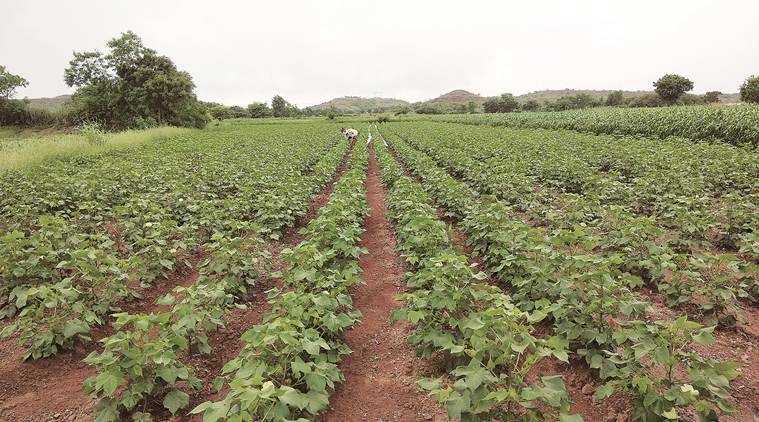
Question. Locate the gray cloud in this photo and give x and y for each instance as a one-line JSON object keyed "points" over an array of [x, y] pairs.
{"points": [[309, 52]]}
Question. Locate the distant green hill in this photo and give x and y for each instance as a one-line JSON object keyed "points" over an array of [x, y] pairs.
{"points": [[457, 96], [52, 103], [554, 94], [730, 98], [362, 105]]}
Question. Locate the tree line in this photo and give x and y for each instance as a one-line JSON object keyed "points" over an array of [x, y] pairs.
{"points": [[668, 90], [257, 110]]}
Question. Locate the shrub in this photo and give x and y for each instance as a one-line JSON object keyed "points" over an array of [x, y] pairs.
{"points": [[506, 103], [615, 99], [750, 90], [645, 100], [712, 97], [92, 133]]}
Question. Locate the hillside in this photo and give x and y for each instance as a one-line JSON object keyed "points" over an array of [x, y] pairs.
{"points": [[51, 103], [730, 98], [457, 96], [360, 104], [554, 94]]}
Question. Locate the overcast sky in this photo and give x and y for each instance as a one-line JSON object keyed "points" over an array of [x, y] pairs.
{"points": [[310, 51]]}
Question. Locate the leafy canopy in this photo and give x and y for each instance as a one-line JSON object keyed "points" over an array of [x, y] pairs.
{"points": [[750, 90], [132, 86], [282, 108], [504, 104], [259, 110], [9, 83], [670, 87]]}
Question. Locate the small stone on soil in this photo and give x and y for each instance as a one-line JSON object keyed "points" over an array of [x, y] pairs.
{"points": [[587, 389]]}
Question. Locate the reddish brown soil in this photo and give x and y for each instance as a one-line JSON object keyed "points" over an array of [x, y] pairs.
{"points": [[382, 370], [42, 132], [40, 390]]}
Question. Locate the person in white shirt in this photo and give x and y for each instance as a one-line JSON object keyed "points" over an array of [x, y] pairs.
{"points": [[349, 133]]}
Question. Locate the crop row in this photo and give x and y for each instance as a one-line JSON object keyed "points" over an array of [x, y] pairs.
{"points": [[290, 361], [586, 301], [69, 280], [674, 246], [483, 336], [736, 125]]}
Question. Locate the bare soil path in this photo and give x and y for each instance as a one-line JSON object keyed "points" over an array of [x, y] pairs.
{"points": [[381, 373]]}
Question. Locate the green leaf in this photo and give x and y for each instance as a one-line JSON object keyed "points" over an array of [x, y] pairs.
{"points": [[168, 374], [106, 411], [415, 316], [175, 400], [201, 407], [704, 336], [537, 316], [165, 300], [109, 381], [604, 391], [212, 412], [561, 355], [74, 327], [218, 383], [428, 384], [293, 398], [298, 366], [457, 404], [7, 331], [474, 324]]}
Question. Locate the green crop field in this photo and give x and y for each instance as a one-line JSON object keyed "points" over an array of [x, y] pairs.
{"points": [[585, 265], [734, 124]]}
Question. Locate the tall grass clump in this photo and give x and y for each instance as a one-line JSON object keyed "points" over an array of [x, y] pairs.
{"points": [[89, 140], [92, 133]]}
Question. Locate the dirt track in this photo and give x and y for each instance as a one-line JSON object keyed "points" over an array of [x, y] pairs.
{"points": [[382, 370]]}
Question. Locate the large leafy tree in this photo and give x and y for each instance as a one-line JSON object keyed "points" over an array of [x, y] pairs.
{"points": [[9, 83], [750, 90], [280, 107], [671, 87], [132, 86], [12, 111]]}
